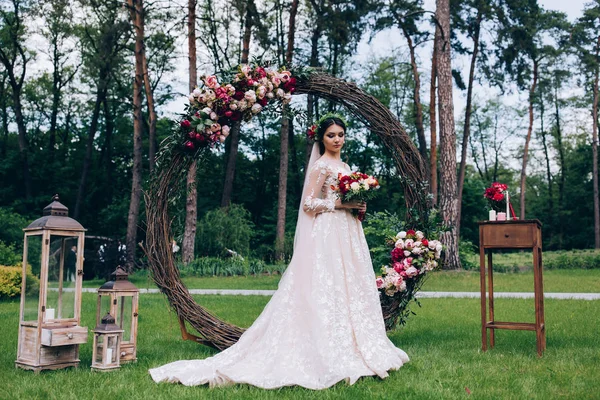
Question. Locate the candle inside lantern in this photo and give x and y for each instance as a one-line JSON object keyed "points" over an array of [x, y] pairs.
{"points": [[109, 357], [49, 314], [501, 216], [507, 206]]}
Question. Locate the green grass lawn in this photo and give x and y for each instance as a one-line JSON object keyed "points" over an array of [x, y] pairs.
{"points": [[443, 341], [559, 280]]}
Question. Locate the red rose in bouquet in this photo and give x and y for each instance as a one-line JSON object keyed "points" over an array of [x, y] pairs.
{"points": [[356, 187]]}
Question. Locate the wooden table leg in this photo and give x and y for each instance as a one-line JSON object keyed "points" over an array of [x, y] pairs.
{"points": [[491, 297], [538, 299], [541, 274], [483, 302]]}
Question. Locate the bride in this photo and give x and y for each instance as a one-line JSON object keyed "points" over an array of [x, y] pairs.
{"points": [[324, 324]]}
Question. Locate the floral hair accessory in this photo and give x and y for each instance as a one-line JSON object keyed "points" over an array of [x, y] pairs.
{"points": [[312, 132]]}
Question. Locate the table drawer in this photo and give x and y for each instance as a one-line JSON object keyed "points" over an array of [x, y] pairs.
{"points": [[64, 336], [509, 235]]}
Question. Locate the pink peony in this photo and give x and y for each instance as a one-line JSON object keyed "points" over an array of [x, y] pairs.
{"points": [[285, 76], [412, 271], [225, 130], [379, 282], [211, 82], [250, 95], [398, 267]]}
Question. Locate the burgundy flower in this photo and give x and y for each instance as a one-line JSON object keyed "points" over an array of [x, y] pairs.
{"points": [[397, 254], [185, 123], [239, 95]]}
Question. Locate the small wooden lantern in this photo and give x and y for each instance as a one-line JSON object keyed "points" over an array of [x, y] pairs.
{"points": [[49, 331], [120, 297], [107, 345]]}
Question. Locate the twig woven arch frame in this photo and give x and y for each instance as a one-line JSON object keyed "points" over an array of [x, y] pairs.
{"points": [[213, 331]]}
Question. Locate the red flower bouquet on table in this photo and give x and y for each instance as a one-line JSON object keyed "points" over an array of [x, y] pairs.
{"points": [[356, 187], [498, 198]]}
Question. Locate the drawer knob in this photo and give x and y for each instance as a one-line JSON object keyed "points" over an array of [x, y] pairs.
{"points": [[506, 235], [70, 335]]}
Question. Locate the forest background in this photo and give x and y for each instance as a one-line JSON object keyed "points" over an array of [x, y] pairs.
{"points": [[89, 89]]}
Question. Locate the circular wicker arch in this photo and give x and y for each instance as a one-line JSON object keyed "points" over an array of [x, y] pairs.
{"points": [[213, 331]]}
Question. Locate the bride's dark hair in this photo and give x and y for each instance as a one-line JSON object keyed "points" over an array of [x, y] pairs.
{"points": [[324, 125]]}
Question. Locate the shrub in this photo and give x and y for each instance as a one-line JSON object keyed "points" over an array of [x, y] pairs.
{"points": [[214, 266], [223, 229], [11, 228], [10, 281], [575, 259], [8, 254], [467, 252]]}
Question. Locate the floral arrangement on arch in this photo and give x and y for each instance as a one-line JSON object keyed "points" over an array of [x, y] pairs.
{"points": [[213, 108], [411, 258]]}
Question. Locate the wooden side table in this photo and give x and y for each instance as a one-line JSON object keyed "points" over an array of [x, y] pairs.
{"points": [[519, 234]]}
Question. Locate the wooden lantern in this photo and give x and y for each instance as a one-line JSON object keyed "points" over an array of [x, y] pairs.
{"points": [[120, 297], [107, 345], [49, 331]]}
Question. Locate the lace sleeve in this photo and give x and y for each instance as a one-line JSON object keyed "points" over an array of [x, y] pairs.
{"points": [[313, 203]]}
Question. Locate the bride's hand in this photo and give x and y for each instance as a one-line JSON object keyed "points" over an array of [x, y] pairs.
{"points": [[359, 205]]}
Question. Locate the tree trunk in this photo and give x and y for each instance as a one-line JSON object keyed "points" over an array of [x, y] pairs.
{"points": [[236, 128], [191, 216], [433, 122], [151, 117], [561, 157], [284, 147], [108, 120], [548, 172], [191, 202], [312, 101], [3, 116], [467, 126], [447, 201], [528, 138], [136, 11], [9, 61], [416, 96], [87, 161], [595, 155]]}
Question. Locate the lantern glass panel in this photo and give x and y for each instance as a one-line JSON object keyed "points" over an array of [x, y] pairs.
{"points": [[62, 273], [104, 305], [99, 347], [33, 260], [124, 315], [111, 352]]}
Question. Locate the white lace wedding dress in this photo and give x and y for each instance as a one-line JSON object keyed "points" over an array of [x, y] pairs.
{"points": [[323, 325]]}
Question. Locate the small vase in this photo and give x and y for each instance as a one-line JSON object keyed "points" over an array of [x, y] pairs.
{"points": [[492, 216], [501, 216]]}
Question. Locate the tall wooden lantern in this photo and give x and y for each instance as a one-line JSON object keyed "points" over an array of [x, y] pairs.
{"points": [[120, 297], [49, 322]]}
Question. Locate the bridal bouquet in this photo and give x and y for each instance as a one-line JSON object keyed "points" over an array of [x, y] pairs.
{"points": [[356, 187], [411, 258]]}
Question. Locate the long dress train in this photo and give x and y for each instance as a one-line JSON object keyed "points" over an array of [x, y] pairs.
{"points": [[324, 324]]}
